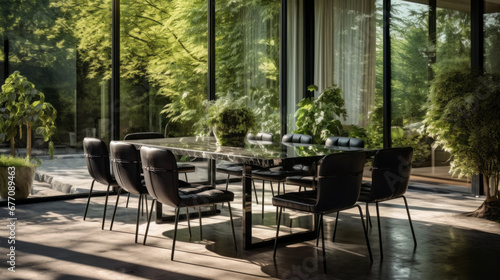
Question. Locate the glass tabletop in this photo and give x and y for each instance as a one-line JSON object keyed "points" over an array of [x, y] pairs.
{"points": [[257, 153]]}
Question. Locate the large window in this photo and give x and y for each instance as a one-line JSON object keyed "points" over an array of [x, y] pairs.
{"points": [[345, 42], [425, 40], [491, 36], [163, 63], [247, 57]]}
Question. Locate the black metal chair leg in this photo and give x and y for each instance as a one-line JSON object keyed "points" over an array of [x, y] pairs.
{"points": [[105, 207], [114, 211], [128, 198], [188, 220], [272, 188], [138, 216], [201, 230], [323, 240], [255, 192], [88, 200], [175, 232], [186, 176], [263, 189], [411, 225], [277, 234], [366, 234], [318, 230], [149, 221], [379, 232], [368, 218], [232, 226], [227, 186], [335, 229]]}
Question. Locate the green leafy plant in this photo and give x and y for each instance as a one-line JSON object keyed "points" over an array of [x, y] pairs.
{"points": [[21, 104], [320, 117], [230, 120], [463, 118]]}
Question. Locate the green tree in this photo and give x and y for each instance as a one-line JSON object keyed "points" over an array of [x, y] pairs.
{"points": [[463, 118]]}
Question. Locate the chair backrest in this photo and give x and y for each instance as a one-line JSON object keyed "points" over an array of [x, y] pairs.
{"points": [[348, 142], [391, 173], [261, 137], [127, 167], [97, 158], [297, 138], [143, 135], [161, 175], [339, 180]]}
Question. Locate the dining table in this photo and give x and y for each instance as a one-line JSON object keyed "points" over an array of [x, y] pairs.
{"points": [[253, 154]]}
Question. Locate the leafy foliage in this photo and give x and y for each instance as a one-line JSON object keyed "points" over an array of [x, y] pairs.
{"points": [[230, 120], [463, 118], [320, 117], [22, 104]]}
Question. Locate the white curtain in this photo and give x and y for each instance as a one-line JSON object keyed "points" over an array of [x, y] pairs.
{"points": [[345, 53], [295, 59]]}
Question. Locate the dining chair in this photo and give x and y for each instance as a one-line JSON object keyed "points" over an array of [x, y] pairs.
{"points": [[97, 159], [334, 142], [339, 184], [280, 173], [390, 178], [184, 168], [236, 169], [161, 176], [127, 168]]}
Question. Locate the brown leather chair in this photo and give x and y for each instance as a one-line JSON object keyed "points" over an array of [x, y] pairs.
{"points": [[97, 159], [339, 184]]}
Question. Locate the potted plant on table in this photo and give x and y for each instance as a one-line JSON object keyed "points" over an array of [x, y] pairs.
{"points": [[230, 121], [21, 104]]}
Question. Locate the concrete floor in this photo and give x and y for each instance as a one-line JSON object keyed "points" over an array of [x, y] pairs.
{"points": [[53, 242]]}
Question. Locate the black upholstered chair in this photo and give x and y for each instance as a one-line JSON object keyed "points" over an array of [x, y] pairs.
{"points": [[182, 167], [280, 174], [161, 176], [97, 158], [336, 142], [390, 178], [339, 184], [127, 168], [236, 169]]}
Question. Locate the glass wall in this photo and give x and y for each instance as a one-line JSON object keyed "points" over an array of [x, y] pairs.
{"points": [[163, 78], [63, 49], [346, 43], [425, 40], [247, 57], [491, 36]]}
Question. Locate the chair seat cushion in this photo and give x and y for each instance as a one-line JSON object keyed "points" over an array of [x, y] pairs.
{"points": [[304, 181], [232, 169], [186, 188], [206, 197], [301, 201], [185, 167]]}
